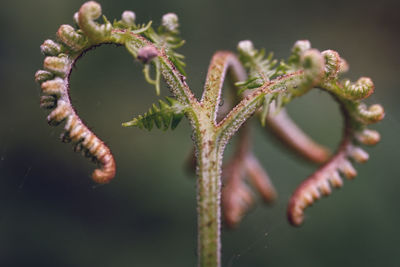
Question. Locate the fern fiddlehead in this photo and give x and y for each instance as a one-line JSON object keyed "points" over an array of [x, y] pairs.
{"points": [[325, 77], [62, 55], [356, 117], [270, 85], [54, 81], [328, 175]]}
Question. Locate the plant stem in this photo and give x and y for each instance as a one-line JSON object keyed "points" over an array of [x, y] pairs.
{"points": [[208, 202]]}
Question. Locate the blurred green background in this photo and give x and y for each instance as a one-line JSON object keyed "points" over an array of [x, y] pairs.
{"points": [[51, 214]]}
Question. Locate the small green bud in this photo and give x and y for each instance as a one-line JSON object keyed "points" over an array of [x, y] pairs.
{"points": [[62, 111], [90, 9], [43, 75], [57, 65], [246, 48], [347, 169], [69, 36], [332, 63], [170, 22], [368, 137], [128, 17], [344, 66], [312, 59], [363, 88], [300, 46], [370, 115], [358, 154], [76, 18], [298, 49], [53, 87], [335, 179], [313, 64], [50, 48], [88, 13], [47, 102]]}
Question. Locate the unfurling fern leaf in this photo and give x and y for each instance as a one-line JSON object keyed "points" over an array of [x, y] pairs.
{"points": [[265, 86], [165, 115]]}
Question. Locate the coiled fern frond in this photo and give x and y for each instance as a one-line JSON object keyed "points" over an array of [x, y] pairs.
{"points": [[320, 70], [73, 42], [264, 85]]}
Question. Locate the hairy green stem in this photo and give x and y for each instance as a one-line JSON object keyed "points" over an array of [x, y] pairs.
{"points": [[209, 158], [208, 203]]}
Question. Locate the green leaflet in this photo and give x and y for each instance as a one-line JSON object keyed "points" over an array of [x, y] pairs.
{"points": [[251, 83], [165, 115], [263, 68], [176, 59], [265, 108], [156, 81], [278, 100], [259, 66]]}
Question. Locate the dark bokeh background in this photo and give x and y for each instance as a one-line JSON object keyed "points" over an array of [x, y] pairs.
{"points": [[51, 214]]}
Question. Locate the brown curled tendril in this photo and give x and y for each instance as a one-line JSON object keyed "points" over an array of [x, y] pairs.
{"points": [[54, 82], [291, 136], [329, 175], [320, 182], [55, 95], [241, 171]]}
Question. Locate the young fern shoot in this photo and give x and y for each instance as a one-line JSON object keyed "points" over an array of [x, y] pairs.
{"points": [[263, 86]]}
